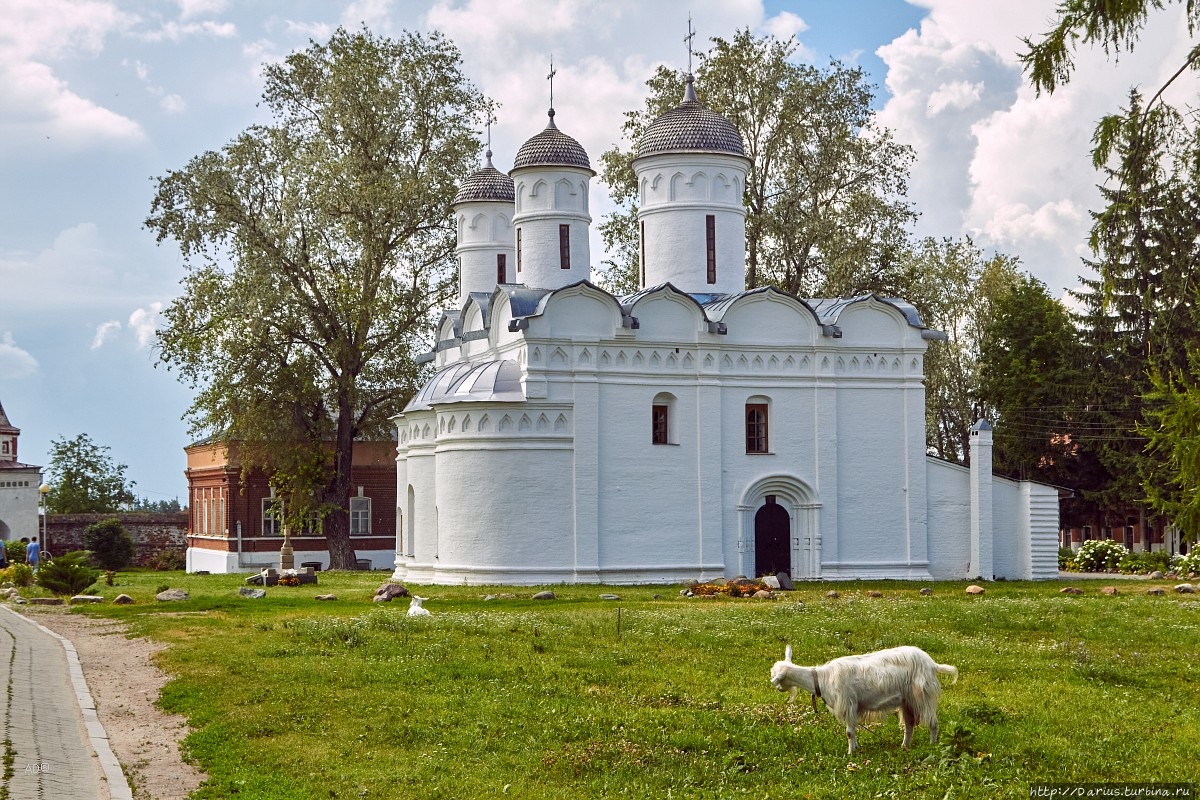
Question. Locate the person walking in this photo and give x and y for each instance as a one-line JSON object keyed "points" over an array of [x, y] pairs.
{"points": [[33, 554]]}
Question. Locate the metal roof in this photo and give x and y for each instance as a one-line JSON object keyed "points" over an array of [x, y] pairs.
{"points": [[552, 148], [496, 381], [488, 184], [689, 128]]}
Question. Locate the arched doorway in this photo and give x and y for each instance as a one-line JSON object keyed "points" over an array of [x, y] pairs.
{"points": [[772, 539]]}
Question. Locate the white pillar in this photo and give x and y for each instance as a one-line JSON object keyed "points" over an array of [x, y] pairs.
{"points": [[981, 501]]}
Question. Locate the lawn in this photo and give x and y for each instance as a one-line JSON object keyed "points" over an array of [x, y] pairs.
{"points": [[659, 695]]}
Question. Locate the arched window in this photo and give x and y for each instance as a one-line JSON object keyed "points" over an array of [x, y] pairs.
{"points": [[756, 425], [662, 419]]}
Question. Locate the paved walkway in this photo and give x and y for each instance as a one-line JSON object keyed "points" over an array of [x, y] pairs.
{"points": [[53, 739]]}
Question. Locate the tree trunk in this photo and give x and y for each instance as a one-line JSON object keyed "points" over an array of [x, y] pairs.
{"points": [[337, 493]]}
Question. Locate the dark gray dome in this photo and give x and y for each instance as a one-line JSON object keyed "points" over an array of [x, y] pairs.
{"points": [[690, 127], [488, 183], [551, 148]]}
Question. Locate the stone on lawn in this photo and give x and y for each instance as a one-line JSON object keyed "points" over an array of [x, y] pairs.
{"points": [[874, 593], [389, 592], [974, 589], [123, 600], [547, 595], [326, 597], [1111, 591], [1156, 575], [1070, 590], [1157, 590], [832, 594], [925, 590], [1185, 588], [610, 597], [86, 598], [771, 582], [253, 594], [171, 595], [46, 601], [763, 594], [785, 581]]}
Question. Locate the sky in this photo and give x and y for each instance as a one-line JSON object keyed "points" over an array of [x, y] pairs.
{"points": [[98, 98]]}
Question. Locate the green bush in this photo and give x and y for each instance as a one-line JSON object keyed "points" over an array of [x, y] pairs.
{"points": [[68, 574], [110, 544], [166, 560], [1066, 558], [14, 551], [1100, 555], [1184, 565], [18, 574], [1141, 563]]}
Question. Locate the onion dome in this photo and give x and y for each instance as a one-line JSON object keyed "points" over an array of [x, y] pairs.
{"points": [[488, 183], [689, 128], [552, 148]]}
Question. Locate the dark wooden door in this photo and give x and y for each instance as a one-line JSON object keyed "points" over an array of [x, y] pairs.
{"points": [[772, 540]]}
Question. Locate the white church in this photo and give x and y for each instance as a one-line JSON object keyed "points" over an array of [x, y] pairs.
{"points": [[692, 430]]}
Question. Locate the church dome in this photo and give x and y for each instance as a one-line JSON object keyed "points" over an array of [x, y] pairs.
{"points": [[552, 148], [689, 128], [488, 183]]}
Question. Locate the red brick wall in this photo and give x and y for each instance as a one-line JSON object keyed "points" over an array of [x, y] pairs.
{"points": [[150, 532]]}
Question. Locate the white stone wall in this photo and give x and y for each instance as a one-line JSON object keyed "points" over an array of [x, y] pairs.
{"points": [[19, 503], [677, 192], [547, 197], [485, 230]]}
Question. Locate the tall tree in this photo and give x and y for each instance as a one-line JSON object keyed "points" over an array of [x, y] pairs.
{"points": [[953, 285], [318, 249], [1031, 379], [84, 479], [825, 195]]}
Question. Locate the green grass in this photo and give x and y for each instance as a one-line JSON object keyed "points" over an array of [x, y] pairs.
{"points": [[658, 695]]}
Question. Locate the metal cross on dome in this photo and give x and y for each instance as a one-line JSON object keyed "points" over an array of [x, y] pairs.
{"points": [[550, 78], [688, 40]]}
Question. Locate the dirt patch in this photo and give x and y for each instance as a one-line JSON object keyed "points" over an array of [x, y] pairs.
{"points": [[125, 684]]}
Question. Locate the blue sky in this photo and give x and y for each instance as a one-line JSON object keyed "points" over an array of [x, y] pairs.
{"points": [[97, 97]]}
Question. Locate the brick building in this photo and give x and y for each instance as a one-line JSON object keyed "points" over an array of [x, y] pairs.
{"points": [[231, 527]]}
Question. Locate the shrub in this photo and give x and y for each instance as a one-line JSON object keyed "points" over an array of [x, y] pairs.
{"points": [[68, 574], [1185, 565], [14, 551], [166, 560], [1141, 563], [110, 544], [1066, 558], [18, 574], [1100, 555]]}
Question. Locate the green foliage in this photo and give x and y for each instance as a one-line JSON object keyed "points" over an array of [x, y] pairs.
{"points": [[84, 479], [109, 543], [14, 551], [825, 195], [18, 573], [335, 219], [1100, 555], [68, 574], [166, 560], [1187, 565], [160, 506], [1142, 563], [1066, 558]]}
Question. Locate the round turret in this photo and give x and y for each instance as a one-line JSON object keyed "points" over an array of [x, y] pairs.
{"points": [[691, 171], [551, 176], [483, 212]]}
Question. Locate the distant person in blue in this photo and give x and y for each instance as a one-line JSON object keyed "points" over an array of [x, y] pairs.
{"points": [[33, 553]]}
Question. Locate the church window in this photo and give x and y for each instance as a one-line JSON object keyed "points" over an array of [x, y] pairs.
{"points": [[564, 246], [360, 516], [660, 418], [756, 427], [501, 268], [272, 516], [518, 249], [643, 238], [710, 244], [4, 447]]}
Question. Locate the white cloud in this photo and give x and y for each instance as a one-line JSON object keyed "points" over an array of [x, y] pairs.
{"points": [[144, 322], [173, 104], [15, 363], [174, 32], [955, 94], [104, 332], [200, 8]]}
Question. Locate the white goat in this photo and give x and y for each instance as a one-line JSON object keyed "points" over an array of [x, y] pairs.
{"points": [[870, 686], [416, 609]]}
